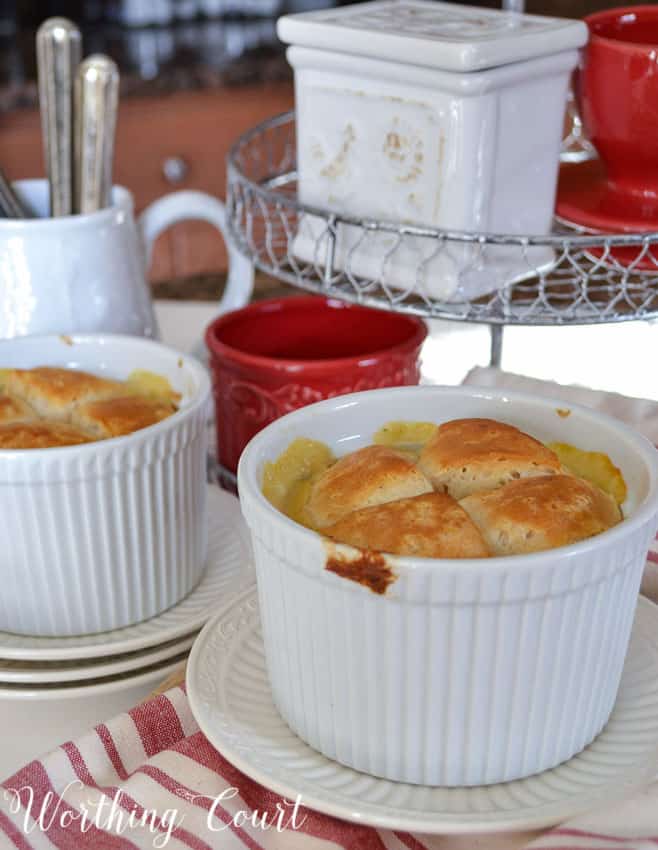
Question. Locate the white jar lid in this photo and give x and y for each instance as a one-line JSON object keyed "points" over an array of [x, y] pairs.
{"points": [[438, 35]]}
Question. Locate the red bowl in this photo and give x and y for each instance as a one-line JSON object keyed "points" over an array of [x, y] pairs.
{"points": [[274, 356]]}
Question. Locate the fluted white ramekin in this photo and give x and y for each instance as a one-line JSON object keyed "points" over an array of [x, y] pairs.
{"points": [[467, 671], [110, 533]]}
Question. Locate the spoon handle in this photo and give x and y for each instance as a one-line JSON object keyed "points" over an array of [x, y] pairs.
{"points": [[59, 50], [96, 104]]}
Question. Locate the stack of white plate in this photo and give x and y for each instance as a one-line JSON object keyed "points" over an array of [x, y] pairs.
{"points": [[54, 689]]}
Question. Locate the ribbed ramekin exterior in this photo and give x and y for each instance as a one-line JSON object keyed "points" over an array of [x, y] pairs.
{"points": [[97, 540], [454, 678], [465, 672]]}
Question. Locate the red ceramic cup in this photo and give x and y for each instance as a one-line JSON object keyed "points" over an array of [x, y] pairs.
{"points": [[275, 356], [618, 93]]}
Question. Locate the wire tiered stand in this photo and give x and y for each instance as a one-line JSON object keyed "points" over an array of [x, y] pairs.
{"points": [[584, 278]]}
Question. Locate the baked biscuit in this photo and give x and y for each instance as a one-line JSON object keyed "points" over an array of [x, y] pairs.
{"points": [[40, 434], [470, 455], [428, 526], [540, 513], [13, 409], [370, 476], [53, 391], [117, 416]]}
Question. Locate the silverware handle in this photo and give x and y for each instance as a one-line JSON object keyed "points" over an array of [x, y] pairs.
{"points": [[59, 50], [96, 105], [11, 204]]}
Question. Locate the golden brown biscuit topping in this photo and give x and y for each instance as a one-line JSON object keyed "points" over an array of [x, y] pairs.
{"points": [[40, 435], [370, 476], [541, 513], [68, 407], [479, 488], [118, 416], [428, 526], [53, 391], [14, 409], [470, 455]]}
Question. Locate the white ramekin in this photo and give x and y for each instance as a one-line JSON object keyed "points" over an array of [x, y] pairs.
{"points": [[107, 534], [467, 671]]}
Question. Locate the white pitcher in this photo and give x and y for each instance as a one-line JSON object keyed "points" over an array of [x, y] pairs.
{"points": [[86, 273]]}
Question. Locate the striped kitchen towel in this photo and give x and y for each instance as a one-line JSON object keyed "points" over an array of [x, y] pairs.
{"points": [[150, 779]]}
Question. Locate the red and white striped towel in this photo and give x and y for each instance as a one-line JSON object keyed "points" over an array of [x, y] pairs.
{"points": [[154, 763]]}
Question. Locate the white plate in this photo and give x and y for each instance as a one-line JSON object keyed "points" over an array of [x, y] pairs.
{"points": [[66, 672], [154, 674], [229, 571], [41, 718], [231, 700]]}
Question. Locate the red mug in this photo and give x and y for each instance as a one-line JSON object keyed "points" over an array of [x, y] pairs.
{"points": [[274, 356], [618, 91]]}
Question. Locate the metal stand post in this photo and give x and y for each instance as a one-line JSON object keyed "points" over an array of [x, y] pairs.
{"points": [[496, 332]]}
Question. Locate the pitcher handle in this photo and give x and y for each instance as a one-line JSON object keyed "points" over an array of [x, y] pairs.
{"points": [[186, 205]]}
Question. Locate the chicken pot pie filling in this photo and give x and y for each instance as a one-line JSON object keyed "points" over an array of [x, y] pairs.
{"points": [[49, 406], [468, 488]]}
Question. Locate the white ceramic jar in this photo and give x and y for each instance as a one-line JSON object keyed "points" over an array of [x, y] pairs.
{"points": [[105, 534], [434, 114], [466, 672]]}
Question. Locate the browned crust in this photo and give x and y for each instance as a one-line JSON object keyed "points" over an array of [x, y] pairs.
{"points": [[535, 514], [118, 416], [429, 526], [40, 435], [468, 455], [53, 391], [366, 568], [370, 476], [13, 409]]}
